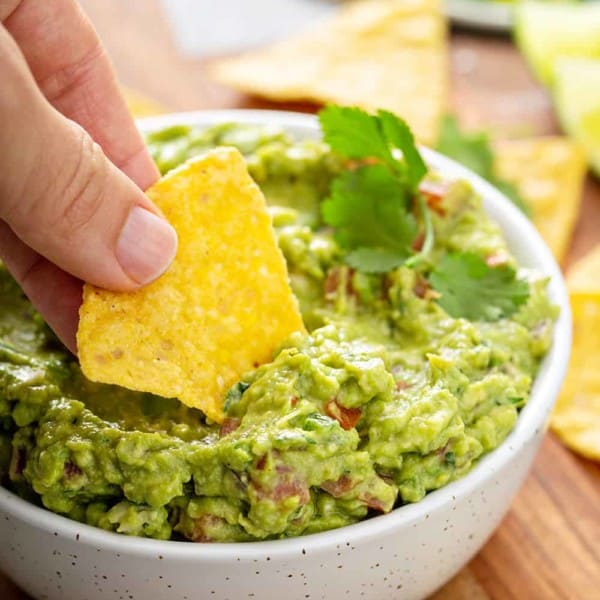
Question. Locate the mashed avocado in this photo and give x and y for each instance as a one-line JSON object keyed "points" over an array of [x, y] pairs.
{"points": [[387, 397]]}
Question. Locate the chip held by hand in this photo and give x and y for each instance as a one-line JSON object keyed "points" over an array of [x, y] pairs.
{"points": [[221, 309]]}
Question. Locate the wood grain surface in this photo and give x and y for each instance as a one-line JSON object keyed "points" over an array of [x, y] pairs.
{"points": [[548, 546]]}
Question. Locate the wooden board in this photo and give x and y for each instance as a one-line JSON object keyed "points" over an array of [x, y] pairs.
{"points": [[548, 546]]}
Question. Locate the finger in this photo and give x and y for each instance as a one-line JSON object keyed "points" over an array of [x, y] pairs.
{"points": [[54, 293], [72, 70], [63, 197]]}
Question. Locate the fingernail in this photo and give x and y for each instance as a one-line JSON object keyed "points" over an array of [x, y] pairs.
{"points": [[147, 245]]}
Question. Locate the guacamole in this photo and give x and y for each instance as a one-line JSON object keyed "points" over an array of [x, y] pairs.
{"points": [[385, 399]]}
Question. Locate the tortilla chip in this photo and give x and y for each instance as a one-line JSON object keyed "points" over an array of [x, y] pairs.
{"points": [[576, 417], [389, 54], [549, 174], [222, 308], [584, 275]]}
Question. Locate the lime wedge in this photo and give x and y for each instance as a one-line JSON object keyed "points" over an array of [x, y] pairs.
{"points": [[577, 100], [545, 31]]}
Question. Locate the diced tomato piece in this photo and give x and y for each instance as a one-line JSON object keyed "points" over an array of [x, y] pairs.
{"points": [[21, 461], [418, 242], [334, 280], [291, 487], [423, 290], [338, 488], [346, 417], [374, 503], [262, 462], [497, 259], [434, 193], [71, 470], [421, 287], [202, 526], [287, 484], [402, 385], [230, 424]]}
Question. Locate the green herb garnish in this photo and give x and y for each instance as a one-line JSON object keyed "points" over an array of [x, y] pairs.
{"points": [[370, 210], [474, 151], [371, 206], [473, 290], [378, 214]]}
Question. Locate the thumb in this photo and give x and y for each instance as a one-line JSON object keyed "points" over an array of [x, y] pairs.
{"points": [[84, 215], [66, 200]]}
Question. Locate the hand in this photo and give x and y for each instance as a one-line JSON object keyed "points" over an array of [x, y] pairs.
{"points": [[72, 166]]}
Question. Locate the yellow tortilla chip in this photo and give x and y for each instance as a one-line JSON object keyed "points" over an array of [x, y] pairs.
{"points": [[549, 174], [584, 275], [576, 417], [389, 54], [222, 308]]}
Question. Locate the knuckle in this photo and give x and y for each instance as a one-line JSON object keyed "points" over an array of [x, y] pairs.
{"points": [[73, 75], [80, 193]]}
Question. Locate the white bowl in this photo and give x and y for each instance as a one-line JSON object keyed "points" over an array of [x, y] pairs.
{"points": [[405, 554]]}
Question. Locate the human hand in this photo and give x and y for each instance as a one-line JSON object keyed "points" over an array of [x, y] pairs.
{"points": [[72, 167]]}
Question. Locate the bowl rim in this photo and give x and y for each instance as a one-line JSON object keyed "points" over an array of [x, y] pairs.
{"points": [[532, 419]]}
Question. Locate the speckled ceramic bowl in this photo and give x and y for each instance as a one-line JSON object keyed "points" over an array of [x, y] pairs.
{"points": [[405, 554]]}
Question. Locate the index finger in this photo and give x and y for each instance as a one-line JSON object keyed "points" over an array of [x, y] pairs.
{"points": [[72, 70]]}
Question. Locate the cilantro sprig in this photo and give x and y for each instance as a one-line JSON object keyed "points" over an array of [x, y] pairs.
{"points": [[378, 213], [371, 206], [369, 209], [471, 289]]}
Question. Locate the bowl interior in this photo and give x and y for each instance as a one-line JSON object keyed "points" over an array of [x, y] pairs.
{"points": [[529, 249]]}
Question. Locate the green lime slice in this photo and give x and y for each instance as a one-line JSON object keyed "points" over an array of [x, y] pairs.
{"points": [[545, 31], [577, 100]]}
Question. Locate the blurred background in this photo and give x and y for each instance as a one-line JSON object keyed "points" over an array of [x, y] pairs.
{"points": [[166, 51], [163, 48], [497, 101]]}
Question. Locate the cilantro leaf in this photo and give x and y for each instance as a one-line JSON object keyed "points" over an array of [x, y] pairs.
{"points": [[353, 133], [368, 208], [399, 135], [469, 149], [474, 151], [375, 260], [371, 207], [473, 290]]}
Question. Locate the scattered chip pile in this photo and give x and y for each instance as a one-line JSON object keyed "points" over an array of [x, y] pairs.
{"points": [[376, 54], [549, 174], [222, 308], [576, 417]]}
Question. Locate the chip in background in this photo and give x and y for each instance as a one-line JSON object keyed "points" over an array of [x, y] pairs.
{"points": [[375, 54]]}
